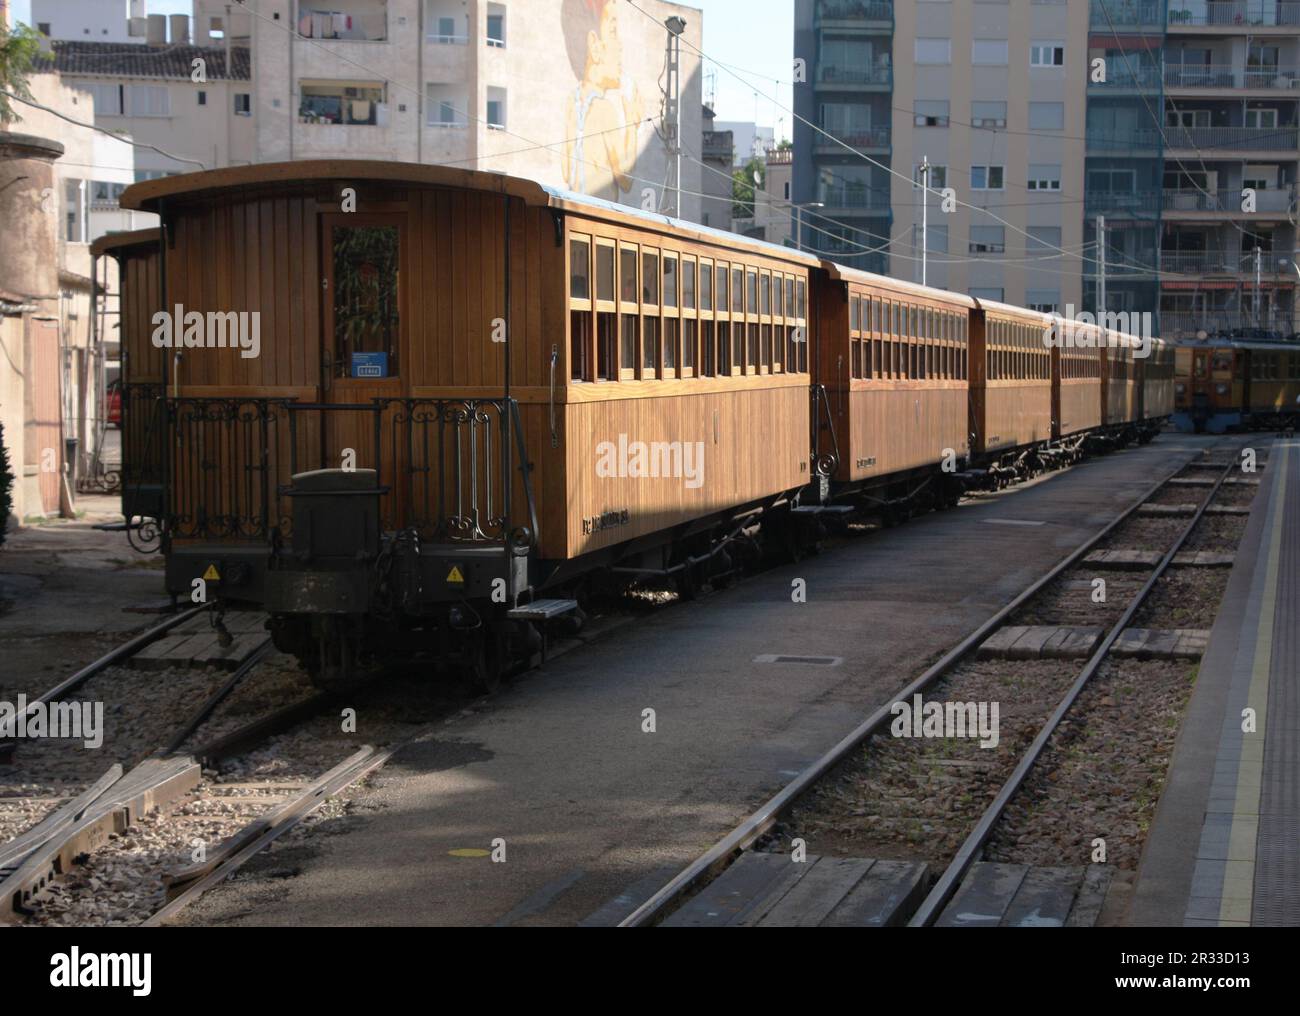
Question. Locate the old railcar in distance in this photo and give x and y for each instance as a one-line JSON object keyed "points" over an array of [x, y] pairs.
{"points": [[454, 396], [1157, 396], [893, 359], [1224, 386]]}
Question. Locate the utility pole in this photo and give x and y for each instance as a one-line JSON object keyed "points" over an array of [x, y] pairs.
{"points": [[672, 105], [925, 217], [1101, 265], [1258, 260]]}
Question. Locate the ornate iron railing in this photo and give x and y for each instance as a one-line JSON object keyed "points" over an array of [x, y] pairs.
{"points": [[448, 469]]}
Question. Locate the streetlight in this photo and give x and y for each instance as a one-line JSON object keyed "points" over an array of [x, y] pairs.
{"points": [[676, 26], [798, 220]]}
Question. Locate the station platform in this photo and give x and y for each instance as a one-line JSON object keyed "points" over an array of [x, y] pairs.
{"points": [[1224, 848]]}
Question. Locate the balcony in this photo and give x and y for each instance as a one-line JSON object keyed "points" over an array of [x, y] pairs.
{"points": [[854, 14], [1127, 75], [875, 139], [1219, 262], [358, 21], [1127, 16], [719, 145], [855, 199], [1238, 14], [1242, 139], [879, 78], [1214, 76], [1227, 201]]}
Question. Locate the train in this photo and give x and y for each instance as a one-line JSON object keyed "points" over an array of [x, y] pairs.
{"points": [[422, 413], [1236, 384]]}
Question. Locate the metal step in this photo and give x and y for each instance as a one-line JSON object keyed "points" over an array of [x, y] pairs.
{"points": [[542, 610]]}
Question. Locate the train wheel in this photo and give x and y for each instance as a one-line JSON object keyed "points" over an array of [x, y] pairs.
{"points": [[489, 666]]}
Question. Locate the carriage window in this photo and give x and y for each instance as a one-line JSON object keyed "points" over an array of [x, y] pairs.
{"points": [[606, 346], [366, 314], [670, 281], [579, 344], [672, 336], [738, 347], [650, 343], [604, 272], [799, 298], [708, 364], [751, 290], [627, 275], [789, 296], [706, 286], [751, 350], [722, 288], [688, 284], [579, 269], [690, 340], [766, 290], [778, 304], [627, 347], [649, 277], [737, 291]]}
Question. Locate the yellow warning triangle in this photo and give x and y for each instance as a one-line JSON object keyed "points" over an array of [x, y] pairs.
{"points": [[455, 576], [212, 575]]}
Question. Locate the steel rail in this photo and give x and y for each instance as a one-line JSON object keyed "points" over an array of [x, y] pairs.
{"points": [[122, 652], [942, 891], [767, 814], [246, 666]]}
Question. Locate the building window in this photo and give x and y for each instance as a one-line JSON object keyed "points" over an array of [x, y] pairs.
{"points": [[1044, 176], [496, 109], [340, 102], [988, 114], [203, 98], [986, 293], [930, 112], [1047, 54], [1045, 301], [986, 177], [366, 315], [988, 240], [933, 51], [243, 104], [43, 27], [496, 26], [1043, 239], [108, 98], [938, 176], [149, 100], [936, 239], [1047, 116], [989, 52]]}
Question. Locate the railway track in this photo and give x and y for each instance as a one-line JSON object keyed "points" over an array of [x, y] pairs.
{"points": [[750, 833]]}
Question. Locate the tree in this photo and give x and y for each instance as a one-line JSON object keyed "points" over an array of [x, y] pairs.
{"points": [[6, 486], [20, 48], [743, 182]]}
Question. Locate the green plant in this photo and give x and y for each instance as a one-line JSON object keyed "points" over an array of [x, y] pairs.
{"points": [[20, 49], [6, 486]]}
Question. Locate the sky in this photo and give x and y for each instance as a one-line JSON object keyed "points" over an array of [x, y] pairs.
{"points": [[749, 41]]}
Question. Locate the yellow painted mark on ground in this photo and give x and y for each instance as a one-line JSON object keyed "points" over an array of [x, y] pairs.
{"points": [[212, 575], [469, 852], [455, 577], [1237, 901]]}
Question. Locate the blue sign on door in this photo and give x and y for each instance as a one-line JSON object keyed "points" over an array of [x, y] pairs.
{"points": [[370, 365]]}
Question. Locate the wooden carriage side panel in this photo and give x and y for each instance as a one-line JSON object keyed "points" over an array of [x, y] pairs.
{"points": [[977, 378], [896, 427], [1080, 405], [745, 444]]}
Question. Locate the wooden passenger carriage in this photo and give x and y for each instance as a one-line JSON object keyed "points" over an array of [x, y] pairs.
{"points": [[604, 381], [893, 359], [1076, 375], [1011, 378]]}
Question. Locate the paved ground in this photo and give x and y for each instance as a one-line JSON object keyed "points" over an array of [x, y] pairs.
{"points": [[587, 803], [1224, 849], [63, 585]]}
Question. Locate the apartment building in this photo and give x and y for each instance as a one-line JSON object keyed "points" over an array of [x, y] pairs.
{"points": [[979, 92], [1167, 130], [1193, 159]]}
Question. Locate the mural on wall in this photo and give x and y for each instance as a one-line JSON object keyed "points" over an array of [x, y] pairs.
{"points": [[606, 109]]}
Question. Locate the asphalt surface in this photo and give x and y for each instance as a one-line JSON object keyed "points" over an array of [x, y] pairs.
{"points": [[559, 768]]}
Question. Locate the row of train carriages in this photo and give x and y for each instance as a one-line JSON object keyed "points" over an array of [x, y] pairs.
{"points": [[416, 412]]}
